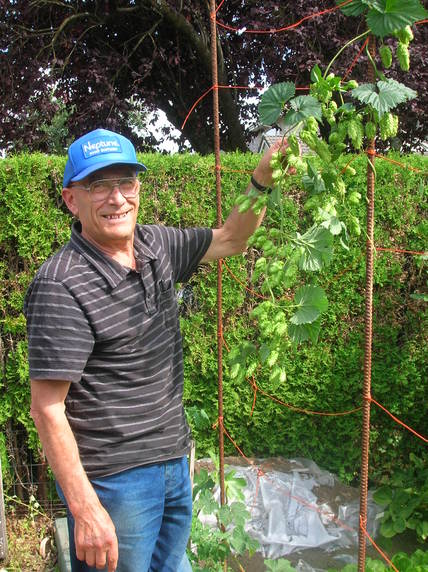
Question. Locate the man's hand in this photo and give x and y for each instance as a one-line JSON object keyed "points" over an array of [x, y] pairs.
{"points": [[94, 533], [95, 538], [263, 171]]}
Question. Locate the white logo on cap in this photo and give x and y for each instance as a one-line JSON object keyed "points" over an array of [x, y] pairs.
{"points": [[97, 146]]}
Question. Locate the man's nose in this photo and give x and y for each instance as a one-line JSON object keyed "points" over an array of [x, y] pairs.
{"points": [[115, 194]]}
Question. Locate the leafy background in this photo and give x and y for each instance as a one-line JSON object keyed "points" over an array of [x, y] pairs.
{"points": [[178, 190]]}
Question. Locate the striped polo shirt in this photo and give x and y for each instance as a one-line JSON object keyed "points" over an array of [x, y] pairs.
{"points": [[114, 333]]}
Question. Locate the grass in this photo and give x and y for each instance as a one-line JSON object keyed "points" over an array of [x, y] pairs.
{"points": [[25, 537]]}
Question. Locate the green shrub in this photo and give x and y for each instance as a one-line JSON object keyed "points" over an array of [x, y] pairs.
{"points": [[180, 190]]}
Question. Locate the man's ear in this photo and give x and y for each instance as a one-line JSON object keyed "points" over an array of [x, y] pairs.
{"points": [[70, 200]]}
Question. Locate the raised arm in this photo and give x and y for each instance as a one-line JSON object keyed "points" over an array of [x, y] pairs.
{"points": [[94, 532], [232, 237]]}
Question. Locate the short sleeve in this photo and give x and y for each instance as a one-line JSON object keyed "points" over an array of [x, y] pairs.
{"points": [[60, 338], [187, 248]]}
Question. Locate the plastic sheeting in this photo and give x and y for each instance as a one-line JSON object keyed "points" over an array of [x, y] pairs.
{"points": [[295, 505]]}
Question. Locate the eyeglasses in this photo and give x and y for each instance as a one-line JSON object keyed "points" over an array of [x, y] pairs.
{"points": [[100, 190]]}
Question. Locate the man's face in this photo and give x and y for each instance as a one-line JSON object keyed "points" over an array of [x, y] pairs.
{"points": [[108, 222]]}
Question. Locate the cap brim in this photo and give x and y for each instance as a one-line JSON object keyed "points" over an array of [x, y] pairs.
{"points": [[99, 166]]}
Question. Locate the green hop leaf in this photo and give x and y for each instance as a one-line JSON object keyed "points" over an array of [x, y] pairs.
{"points": [[238, 509], [333, 224], [311, 302], [383, 96], [302, 332], [302, 107], [316, 73], [206, 502], [390, 15], [316, 248], [198, 417], [334, 138], [313, 182], [354, 8], [370, 130], [401, 561], [273, 100]]}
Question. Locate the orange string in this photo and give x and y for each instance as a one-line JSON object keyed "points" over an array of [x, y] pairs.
{"points": [[195, 104], [260, 474], [243, 285], [384, 556], [398, 420], [254, 385], [300, 500], [299, 409], [225, 344], [219, 6], [249, 461], [348, 71], [371, 152], [344, 271], [400, 251], [278, 30], [253, 292], [348, 163], [225, 87], [243, 171]]}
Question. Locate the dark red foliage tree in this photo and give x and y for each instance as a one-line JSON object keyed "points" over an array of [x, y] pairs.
{"points": [[99, 53]]}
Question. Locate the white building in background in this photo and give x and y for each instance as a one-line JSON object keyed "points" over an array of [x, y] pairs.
{"points": [[263, 137]]}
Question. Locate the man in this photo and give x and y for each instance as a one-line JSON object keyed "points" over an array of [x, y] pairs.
{"points": [[106, 362]]}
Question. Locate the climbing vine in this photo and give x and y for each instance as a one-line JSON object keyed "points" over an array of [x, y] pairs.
{"points": [[335, 121]]}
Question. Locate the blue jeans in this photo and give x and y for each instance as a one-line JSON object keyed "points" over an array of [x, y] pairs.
{"points": [[151, 508]]}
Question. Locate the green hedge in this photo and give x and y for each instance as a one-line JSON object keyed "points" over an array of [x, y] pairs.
{"points": [[180, 190]]}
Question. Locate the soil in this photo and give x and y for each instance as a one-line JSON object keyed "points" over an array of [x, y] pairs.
{"points": [[31, 546]]}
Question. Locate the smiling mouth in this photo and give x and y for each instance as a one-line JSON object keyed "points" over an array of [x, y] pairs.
{"points": [[116, 216]]}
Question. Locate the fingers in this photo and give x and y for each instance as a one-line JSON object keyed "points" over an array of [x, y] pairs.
{"points": [[113, 556], [100, 558], [263, 171], [96, 544], [280, 145]]}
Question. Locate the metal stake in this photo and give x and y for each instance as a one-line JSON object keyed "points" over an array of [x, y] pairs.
{"points": [[368, 334]]}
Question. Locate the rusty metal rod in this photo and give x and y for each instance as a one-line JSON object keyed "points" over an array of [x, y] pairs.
{"points": [[368, 333], [216, 115]]}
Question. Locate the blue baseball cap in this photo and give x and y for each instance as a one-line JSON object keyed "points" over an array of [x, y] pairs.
{"points": [[96, 150]]}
